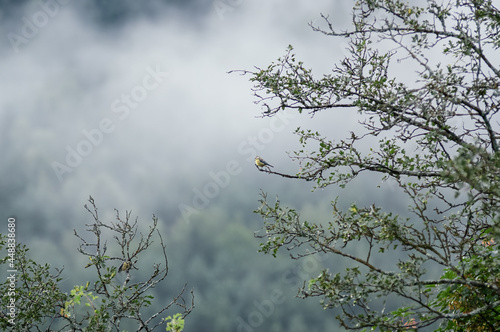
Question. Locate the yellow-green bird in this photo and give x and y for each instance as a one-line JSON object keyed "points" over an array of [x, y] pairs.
{"points": [[125, 266], [261, 162]]}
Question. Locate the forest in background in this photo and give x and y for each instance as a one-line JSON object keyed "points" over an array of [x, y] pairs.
{"points": [[216, 253]]}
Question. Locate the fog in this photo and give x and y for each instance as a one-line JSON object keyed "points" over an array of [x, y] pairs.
{"points": [[140, 112], [135, 107]]}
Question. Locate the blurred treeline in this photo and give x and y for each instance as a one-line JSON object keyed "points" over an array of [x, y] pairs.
{"points": [[214, 251]]}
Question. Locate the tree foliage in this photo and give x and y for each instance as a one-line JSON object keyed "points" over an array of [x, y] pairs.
{"points": [[108, 303], [424, 82]]}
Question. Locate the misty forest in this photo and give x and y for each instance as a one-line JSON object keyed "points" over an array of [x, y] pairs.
{"points": [[250, 166]]}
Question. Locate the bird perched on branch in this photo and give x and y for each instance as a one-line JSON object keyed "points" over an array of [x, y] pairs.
{"points": [[125, 266], [261, 162]]}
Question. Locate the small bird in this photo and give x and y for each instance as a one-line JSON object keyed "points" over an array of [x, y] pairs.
{"points": [[261, 162], [125, 266]]}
